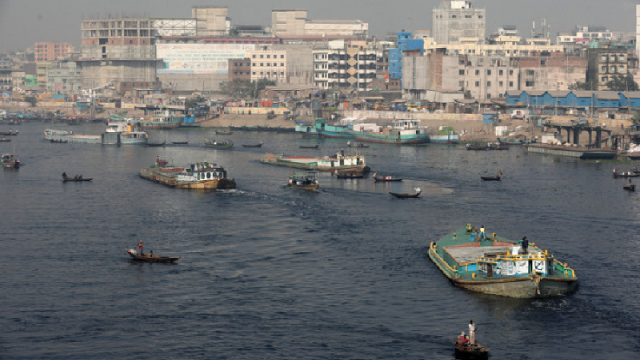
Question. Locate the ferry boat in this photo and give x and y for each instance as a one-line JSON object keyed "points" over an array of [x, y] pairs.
{"points": [[200, 175], [303, 181], [501, 267], [402, 131], [337, 162], [117, 132], [10, 161]]}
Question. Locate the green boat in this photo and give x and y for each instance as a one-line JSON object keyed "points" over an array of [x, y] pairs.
{"points": [[495, 265]]}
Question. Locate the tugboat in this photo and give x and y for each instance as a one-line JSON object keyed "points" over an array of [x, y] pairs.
{"points": [[303, 181], [10, 161], [494, 265]]}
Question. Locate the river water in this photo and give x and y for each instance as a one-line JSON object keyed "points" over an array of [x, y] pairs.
{"points": [[269, 272]]}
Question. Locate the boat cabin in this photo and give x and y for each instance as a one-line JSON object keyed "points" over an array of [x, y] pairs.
{"points": [[202, 171]]}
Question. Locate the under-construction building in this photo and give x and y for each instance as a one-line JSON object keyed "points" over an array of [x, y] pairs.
{"points": [[455, 20], [118, 53]]}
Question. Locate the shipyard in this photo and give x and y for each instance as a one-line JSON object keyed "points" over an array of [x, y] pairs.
{"points": [[335, 180]]}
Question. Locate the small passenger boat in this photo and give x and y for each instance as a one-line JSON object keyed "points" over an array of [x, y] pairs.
{"points": [[151, 257], [629, 187], [4, 140], [253, 145], [357, 145], [415, 194], [77, 178], [10, 161], [384, 178], [492, 178], [218, 144], [303, 181], [468, 351], [309, 146], [157, 144], [10, 132], [59, 141], [477, 147], [180, 142], [223, 132]]}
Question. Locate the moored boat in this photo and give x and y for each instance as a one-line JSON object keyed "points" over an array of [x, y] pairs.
{"points": [[159, 117], [303, 181], [253, 145], [492, 178], [501, 267], [401, 132], [4, 139], [218, 144], [511, 142], [157, 144], [201, 175], [76, 178], [223, 132], [10, 161], [309, 146], [151, 257], [338, 161], [348, 175]]}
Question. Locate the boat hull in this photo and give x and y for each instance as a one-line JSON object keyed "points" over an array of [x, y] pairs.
{"points": [[170, 179], [412, 139], [583, 154]]}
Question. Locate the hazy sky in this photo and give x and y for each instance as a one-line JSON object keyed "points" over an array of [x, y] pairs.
{"points": [[23, 22]]}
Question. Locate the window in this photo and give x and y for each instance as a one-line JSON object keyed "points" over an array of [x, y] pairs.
{"points": [[500, 83], [261, 56], [510, 83], [530, 72], [612, 69], [488, 72], [510, 72], [281, 64], [603, 58], [621, 58], [253, 56], [529, 83], [604, 79], [261, 64], [488, 83], [477, 83], [477, 72], [603, 68], [460, 72], [281, 56], [500, 72]]}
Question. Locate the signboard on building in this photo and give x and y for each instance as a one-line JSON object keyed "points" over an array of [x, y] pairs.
{"points": [[199, 58]]}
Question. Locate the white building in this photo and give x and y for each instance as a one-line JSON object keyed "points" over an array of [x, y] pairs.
{"points": [[457, 19], [268, 64]]}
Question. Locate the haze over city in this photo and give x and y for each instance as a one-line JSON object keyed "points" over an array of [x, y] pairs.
{"points": [[22, 23]]}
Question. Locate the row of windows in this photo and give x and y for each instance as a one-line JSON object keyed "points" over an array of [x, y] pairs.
{"points": [[612, 69], [612, 57], [500, 83], [268, 64], [268, 56], [269, 73]]}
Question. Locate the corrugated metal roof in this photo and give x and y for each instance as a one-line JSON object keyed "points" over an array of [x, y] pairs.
{"points": [[583, 94], [559, 93], [537, 92], [631, 94], [607, 95], [515, 92]]}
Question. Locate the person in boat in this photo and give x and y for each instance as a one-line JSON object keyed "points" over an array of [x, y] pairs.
{"points": [[482, 237], [462, 339], [140, 247], [151, 253], [76, 177], [64, 175], [525, 245], [472, 333]]}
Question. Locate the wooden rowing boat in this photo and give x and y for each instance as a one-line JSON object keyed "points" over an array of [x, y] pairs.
{"points": [[414, 194], [151, 258], [384, 178], [467, 351]]}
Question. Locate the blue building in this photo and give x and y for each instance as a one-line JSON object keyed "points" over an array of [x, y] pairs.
{"points": [[405, 42]]}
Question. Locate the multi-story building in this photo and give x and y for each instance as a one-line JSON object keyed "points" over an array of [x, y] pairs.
{"points": [[268, 64], [348, 66], [457, 19], [436, 70], [174, 27], [293, 23], [50, 51], [41, 73], [211, 20], [239, 69], [405, 43], [64, 77], [605, 64], [120, 52]]}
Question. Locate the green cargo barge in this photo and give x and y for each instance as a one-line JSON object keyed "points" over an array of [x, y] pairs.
{"points": [[501, 267]]}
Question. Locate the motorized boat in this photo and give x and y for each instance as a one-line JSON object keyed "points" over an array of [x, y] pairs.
{"points": [[309, 146], [625, 174], [384, 178], [151, 257], [492, 178], [10, 161], [77, 178], [357, 145], [629, 187], [414, 194], [59, 141], [468, 351], [218, 144], [253, 145], [303, 181], [4, 140]]}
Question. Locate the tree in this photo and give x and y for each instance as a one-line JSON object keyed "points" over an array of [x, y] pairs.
{"points": [[587, 85], [243, 89], [622, 83], [190, 103]]}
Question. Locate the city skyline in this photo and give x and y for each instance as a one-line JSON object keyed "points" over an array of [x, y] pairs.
{"points": [[22, 23]]}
